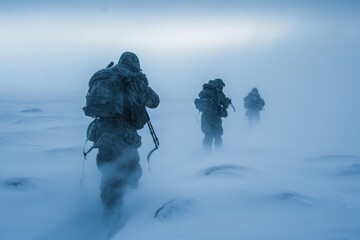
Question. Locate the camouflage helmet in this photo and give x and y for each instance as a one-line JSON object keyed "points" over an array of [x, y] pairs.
{"points": [[219, 83], [211, 82], [254, 90], [130, 60]]}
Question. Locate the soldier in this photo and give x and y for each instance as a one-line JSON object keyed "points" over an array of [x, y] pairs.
{"points": [[117, 98], [253, 104], [213, 104]]}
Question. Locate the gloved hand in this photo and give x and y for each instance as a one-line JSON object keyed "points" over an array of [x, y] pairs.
{"points": [[141, 76]]}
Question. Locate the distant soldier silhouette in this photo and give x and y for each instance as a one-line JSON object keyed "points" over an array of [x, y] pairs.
{"points": [[253, 104], [213, 105], [117, 98]]}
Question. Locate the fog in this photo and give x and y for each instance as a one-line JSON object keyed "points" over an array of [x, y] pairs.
{"points": [[297, 169], [58, 47]]}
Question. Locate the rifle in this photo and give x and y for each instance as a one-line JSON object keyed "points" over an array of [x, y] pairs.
{"points": [[110, 64], [153, 135], [231, 105]]}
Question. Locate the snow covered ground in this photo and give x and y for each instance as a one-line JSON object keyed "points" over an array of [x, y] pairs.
{"points": [[296, 176], [258, 186]]}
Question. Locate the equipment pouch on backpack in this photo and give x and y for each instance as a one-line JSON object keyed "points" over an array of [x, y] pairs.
{"points": [[93, 131], [203, 104], [197, 104], [105, 96], [138, 116], [223, 112]]}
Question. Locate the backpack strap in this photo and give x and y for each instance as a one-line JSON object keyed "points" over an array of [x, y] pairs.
{"points": [[85, 153], [83, 165]]}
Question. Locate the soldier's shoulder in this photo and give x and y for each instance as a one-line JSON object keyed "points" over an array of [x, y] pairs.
{"points": [[122, 70], [209, 87]]}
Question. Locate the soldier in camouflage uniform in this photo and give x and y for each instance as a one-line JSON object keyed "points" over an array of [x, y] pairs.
{"points": [[213, 104], [253, 104], [118, 140]]}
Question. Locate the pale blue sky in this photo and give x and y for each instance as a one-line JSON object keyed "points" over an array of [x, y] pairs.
{"points": [[59, 44]]}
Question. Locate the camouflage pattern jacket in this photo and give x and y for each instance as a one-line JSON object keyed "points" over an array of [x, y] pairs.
{"points": [[253, 101], [214, 100], [121, 132]]}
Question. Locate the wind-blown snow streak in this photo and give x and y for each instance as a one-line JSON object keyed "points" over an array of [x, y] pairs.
{"points": [[229, 194]]}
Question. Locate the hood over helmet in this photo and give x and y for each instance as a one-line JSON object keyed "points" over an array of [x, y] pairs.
{"points": [[254, 90], [130, 60], [218, 83]]}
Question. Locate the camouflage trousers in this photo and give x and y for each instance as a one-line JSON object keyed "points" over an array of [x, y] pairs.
{"points": [[253, 116], [118, 161], [212, 128], [120, 170]]}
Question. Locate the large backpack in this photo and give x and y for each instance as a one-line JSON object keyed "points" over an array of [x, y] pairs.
{"points": [[105, 97], [203, 104], [254, 101], [208, 100]]}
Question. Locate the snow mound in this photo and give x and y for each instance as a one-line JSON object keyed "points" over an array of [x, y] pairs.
{"points": [[291, 197], [18, 184], [337, 157], [32, 110], [337, 166], [225, 170], [64, 150], [175, 208], [351, 170]]}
